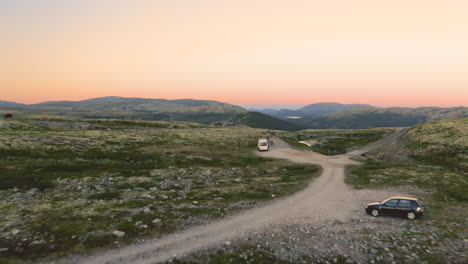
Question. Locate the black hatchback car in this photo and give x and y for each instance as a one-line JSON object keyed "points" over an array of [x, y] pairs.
{"points": [[396, 206]]}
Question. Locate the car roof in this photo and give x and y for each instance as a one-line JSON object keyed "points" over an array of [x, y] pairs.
{"points": [[401, 197], [263, 139]]}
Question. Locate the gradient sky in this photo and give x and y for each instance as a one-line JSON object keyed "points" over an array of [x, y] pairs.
{"points": [[247, 52]]}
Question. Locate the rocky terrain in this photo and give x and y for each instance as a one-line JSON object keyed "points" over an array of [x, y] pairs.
{"points": [[359, 240], [77, 186], [439, 237]]}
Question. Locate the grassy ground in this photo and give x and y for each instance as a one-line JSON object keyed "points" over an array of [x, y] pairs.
{"points": [[250, 254], [445, 185], [64, 189], [336, 141], [443, 192], [441, 143]]}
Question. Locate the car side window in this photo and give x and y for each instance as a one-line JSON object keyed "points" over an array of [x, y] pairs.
{"points": [[415, 204], [393, 202], [404, 203]]}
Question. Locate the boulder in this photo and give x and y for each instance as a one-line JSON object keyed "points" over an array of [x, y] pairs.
{"points": [[118, 233]]}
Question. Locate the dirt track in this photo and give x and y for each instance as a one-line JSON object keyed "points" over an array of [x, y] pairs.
{"points": [[325, 198]]}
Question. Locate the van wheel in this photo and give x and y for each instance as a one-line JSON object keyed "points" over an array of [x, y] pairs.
{"points": [[375, 213], [411, 216]]}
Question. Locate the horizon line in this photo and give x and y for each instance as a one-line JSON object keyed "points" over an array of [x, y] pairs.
{"points": [[244, 105]]}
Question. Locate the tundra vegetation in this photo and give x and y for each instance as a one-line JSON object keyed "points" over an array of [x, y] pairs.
{"points": [[336, 141], [431, 158], [70, 186], [429, 162]]}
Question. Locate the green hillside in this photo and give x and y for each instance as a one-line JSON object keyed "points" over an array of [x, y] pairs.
{"points": [[202, 111], [381, 117], [259, 120], [442, 142], [431, 156]]}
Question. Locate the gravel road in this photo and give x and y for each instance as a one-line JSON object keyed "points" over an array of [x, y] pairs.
{"points": [[325, 198]]}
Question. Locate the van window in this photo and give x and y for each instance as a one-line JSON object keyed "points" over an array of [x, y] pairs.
{"points": [[263, 144]]}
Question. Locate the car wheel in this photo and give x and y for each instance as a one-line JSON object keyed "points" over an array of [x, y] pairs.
{"points": [[411, 216], [375, 212]]}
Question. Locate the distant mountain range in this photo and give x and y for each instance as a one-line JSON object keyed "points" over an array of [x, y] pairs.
{"points": [[320, 115], [380, 117], [353, 116], [9, 104], [260, 120], [310, 110], [202, 111]]}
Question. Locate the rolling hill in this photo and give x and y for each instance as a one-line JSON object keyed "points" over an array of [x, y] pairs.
{"points": [[10, 104], [260, 120], [202, 111], [113, 103], [311, 110], [441, 142], [314, 116], [381, 117]]}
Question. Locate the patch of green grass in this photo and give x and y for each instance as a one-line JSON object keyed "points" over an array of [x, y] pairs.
{"points": [[108, 195], [335, 142], [446, 185], [295, 143], [128, 227], [10, 261], [251, 254]]}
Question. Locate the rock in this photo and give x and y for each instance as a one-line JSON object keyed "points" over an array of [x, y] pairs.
{"points": [[156, 221], [15, 232], [227, 243], [3, 249], [195, 203], [118, 233], [149, 196], [237, 179], [37, 242], [146, 210]]}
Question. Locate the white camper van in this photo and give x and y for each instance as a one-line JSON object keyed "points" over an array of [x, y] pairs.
{"points": [[263, 144]]}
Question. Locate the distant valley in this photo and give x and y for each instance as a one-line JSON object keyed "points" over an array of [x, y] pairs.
{"points": [[310, 110], [356, 116]]}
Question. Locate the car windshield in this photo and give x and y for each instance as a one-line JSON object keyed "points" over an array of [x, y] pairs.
{"points": [[263, 144]]}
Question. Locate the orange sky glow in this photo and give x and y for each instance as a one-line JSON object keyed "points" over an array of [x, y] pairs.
{"points": [[255, 52]]}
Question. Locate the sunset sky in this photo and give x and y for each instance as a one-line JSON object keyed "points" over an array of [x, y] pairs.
{"points": [[246, 52]]}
